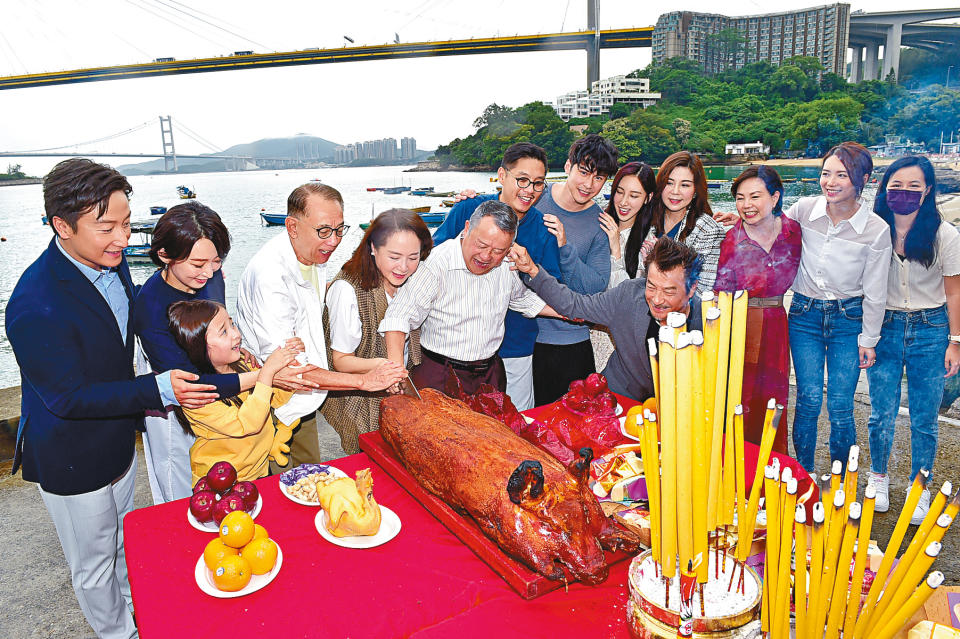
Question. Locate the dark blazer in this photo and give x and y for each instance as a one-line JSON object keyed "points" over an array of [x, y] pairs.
{"points": [[81, 402]]}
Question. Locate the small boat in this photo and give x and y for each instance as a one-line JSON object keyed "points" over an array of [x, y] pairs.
{"points": [[809, 180], [421, 191], [393, 190], [420, 209], [441, 193], [716, 184], [273, 219], [374, 188], [44, 219], [447, 203], [317, 181], [139, 253], [433, 219], [186, 193], [158, 210]]}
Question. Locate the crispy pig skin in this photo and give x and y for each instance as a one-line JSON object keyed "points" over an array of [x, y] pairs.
{"points": [[466, 459]]}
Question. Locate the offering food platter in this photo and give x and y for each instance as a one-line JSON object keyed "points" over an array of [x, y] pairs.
{"points": [[296, 486], [211, 526], [389, 528], [524, 581], [204, 579]]}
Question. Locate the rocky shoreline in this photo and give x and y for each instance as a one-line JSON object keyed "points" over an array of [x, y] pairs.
{"points": [[21, 182]]}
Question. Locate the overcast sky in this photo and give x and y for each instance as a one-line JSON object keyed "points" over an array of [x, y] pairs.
{"points": [[433, 100]]}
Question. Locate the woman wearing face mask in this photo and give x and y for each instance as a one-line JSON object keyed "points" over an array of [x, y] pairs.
{"points": [[839, 296], [390, 252], [681, 211], [627, 215], [921, 327], [761, 255]]}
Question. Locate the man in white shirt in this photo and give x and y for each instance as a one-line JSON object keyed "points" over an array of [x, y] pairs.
{"points": [[459, 298], [281, 296]]}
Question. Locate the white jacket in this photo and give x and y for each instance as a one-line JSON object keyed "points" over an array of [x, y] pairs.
{"points": [[276, 303]]}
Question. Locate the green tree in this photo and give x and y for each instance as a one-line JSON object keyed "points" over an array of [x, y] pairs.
{"points": [[620, 110], [724, 47]]}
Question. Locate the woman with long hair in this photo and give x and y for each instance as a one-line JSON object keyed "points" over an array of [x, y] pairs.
{"points": [[921, 326], [628, 215], [681, 211], [761, 255], [389, 253], [239, 428], [839, 296]]}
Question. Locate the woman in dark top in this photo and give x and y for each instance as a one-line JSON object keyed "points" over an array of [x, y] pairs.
{"points": [[189, 245]]}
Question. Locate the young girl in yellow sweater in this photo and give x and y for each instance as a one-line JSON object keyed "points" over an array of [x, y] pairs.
{"points": [[236, 429]]}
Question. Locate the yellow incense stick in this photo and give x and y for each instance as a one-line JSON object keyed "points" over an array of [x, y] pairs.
{"points": [[738, 332], [771, 488], [912, 605], [919, 483], [918, 543], [738, 459], [838, 600], [831, 554], [708, 362], [654, 368], [816, 568], [668, 452], [800, 571], [749, 520], [781, 617], [914, 574], [701, 456], [835, 481], [860, 562], [715, 503], [653, 489], [850, 478], [684, 448]]}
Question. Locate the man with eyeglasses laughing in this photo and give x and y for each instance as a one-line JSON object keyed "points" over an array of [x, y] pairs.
{"points": [[281, 295], [521, 174]]}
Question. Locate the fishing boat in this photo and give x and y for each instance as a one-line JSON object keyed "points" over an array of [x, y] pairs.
{"points": [[809, 180], [273, 219], [441, 193], [186, 193], [447, 202], [158, 210], [44, 219], [139, 252], [393, 190], [433, 219], [424, 191], [420, 209], [716, 184]]}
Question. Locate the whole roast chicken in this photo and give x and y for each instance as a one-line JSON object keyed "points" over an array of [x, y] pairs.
{"points": [[527, 502]]}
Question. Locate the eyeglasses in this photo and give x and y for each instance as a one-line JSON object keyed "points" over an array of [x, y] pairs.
{"points": [[524, 182], [325, 231]]}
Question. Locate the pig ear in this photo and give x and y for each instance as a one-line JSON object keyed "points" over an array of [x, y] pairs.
{"points": [[580, 468], [526, 481]]}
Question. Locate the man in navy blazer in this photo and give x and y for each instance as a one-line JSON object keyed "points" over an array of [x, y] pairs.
{"points": [[67, 321]]}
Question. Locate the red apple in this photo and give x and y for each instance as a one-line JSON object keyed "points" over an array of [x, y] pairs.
{"points": [[227, 504], [576, 386], [222, 476], [247, 490], [595, 384], [202, 504], [202, 484]]}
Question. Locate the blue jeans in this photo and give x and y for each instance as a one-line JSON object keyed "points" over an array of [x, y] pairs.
{"points": [[917, 341], [825, 331]]}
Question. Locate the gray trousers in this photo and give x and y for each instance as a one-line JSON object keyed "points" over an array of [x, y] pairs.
{"points": [[90, 528]]}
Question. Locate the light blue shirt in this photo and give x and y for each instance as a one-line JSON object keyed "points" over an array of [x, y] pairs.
{"points": [[108, 284]]}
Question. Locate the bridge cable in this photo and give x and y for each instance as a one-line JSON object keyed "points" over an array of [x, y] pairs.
{"points": [[196, 137], [146, 9], [103, 139], [216, 26]]}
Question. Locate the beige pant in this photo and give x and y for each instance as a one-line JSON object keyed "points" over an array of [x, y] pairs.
{"points": [[305, 443]]}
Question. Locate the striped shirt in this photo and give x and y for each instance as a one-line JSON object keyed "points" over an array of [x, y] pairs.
{"points": [[460, 314]]}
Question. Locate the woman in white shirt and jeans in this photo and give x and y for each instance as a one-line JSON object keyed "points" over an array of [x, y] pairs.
{"points": [[839, 297], [921, 327]]}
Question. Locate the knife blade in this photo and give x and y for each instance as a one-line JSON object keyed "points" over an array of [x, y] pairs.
{"points": [[409, 388]]}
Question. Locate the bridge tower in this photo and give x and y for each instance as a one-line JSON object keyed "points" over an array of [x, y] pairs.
{"points": [[593, 49], [169, 151]]}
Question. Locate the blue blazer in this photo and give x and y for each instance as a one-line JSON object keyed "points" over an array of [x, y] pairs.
{"points": [[81, 402]]}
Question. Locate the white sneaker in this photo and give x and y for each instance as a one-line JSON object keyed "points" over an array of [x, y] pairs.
{"points": [[922, 507], [881, 484]]}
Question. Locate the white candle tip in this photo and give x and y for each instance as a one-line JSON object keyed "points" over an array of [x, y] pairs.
{"points": [[854, 453], [738, 294], [713, 313], [800, 516], [933, 549], [676, 320], [738, 409], [818, 512], [853, 464], [775, 462], [653, 417], [944, 520], [769, 472], [683, 340], [707, 296], [838, 498], [666, 335], [652, 346], [935, 579], [837, 467], [772, 404], [787, 474], [870, 492], [947, 488], [855, 510], [791, 485], [646, 413], [696, 338]]}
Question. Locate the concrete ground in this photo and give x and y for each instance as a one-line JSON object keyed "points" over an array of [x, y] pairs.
{"points": [[38, 600]]}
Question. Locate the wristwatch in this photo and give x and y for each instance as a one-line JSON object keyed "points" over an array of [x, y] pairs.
{"points": [[954, 339]]}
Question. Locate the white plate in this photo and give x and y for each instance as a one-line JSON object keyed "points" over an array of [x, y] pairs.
{"points": [[618, 410], [204, 577], [336, 472], [212, 527], [623, 431], [389, 528]]}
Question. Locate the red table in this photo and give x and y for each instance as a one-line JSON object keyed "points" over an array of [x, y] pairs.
{"points": [[424, 583]]}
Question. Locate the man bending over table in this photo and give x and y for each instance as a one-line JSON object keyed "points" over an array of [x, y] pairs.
{"points": [[634, 310], [459, 298]]}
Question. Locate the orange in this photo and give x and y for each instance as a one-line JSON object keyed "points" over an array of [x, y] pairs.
{"points": [[236, 529], [232, 573], [215, 551], [259, 532], [262, 555]]}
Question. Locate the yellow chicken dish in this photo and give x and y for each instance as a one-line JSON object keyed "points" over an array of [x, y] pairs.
{"points": [[350, 507]]}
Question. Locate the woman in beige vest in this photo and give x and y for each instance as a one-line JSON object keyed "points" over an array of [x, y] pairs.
{"points": [[357, 299]]}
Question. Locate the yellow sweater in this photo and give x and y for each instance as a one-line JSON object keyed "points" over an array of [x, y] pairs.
{"points": [[241, 435]]}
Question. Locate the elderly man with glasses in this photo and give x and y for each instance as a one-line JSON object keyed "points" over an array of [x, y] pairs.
{"points": [[281, 295], [521, 174]]}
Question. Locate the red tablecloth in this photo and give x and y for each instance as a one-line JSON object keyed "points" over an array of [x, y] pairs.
{"points": [[424, 583]]}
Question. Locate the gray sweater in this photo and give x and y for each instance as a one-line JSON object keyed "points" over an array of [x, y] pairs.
{"points": [[624, 310], [584, 264]]}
